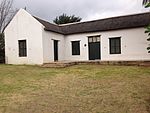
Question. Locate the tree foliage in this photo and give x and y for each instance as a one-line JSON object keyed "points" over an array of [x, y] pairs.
{"points": [[64, 19], [148, 32], [146, 3], [6, 14], [2, 48]]}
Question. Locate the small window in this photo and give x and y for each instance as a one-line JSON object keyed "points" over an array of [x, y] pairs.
{"points": [[75, 47], [115, 45], [22, 48]]}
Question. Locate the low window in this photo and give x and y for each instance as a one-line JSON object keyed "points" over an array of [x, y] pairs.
{"points": [[115, 45], [22, 48], [75, 47]]}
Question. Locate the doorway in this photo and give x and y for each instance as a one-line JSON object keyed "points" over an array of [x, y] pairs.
{"points": [[55, 50], [94, 48]]}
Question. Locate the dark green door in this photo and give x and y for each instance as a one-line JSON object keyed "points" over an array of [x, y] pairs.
{"points": [[94, 51], [55, 50]]}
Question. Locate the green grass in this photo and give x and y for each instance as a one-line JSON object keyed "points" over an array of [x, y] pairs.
{"points": [[76, 89]]}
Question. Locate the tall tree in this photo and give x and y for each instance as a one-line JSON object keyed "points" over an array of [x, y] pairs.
{"points": [[146, 3], [64, 19], [6, 14], [2, 48]]}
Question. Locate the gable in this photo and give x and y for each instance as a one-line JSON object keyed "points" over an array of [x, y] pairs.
{"points": [[22, 16]]}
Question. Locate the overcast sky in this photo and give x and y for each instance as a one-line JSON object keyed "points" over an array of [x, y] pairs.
{"points": [[86, 9]]}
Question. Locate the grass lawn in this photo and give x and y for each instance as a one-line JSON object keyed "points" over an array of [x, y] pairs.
{"points": [[76, 89]]}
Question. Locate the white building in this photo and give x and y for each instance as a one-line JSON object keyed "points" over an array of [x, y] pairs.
{"points": [[30, 40]]}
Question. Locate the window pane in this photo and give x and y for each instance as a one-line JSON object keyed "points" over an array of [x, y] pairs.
{"points": [[90, 39], [117, 41], [118, 49], [94, 39], [112, 43], [98, 39], [113, 50]]}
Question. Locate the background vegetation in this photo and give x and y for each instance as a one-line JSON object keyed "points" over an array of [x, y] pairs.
{"points": [[64, 19]]}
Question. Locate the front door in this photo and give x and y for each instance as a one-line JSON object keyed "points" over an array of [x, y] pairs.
{"points": [[94, 48], [55, 50]]}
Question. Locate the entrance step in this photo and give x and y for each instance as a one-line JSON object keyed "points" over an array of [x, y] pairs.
{"points": [[98, 62], [145, 64], [59, 64]]}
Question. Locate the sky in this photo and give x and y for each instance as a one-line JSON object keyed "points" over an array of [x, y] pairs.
{"points": [[86, 9]]}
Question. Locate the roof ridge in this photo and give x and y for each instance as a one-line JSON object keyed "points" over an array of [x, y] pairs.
{"points": [[129, 15], [44, 20]]}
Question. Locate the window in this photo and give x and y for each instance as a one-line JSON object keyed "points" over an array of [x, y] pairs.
{"points": [[94, 39], [75, 47], [115, 45], [22, 48]]}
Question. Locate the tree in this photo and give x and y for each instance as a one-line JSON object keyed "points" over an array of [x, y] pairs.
{"points": [[2, 47], [6, 14], [64, 19], [146, 3]]}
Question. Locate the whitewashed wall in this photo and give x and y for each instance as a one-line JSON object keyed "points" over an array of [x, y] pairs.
{"points": [[133, 45], [48, 46], [40, 48], [24, 26], [83, 49]]}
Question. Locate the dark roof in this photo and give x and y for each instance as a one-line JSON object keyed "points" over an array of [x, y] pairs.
{"points": [[114, 23], [49, 26]]}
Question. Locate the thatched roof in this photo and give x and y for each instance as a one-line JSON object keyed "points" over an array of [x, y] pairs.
{"points": [[114, 23], [49, 26]]}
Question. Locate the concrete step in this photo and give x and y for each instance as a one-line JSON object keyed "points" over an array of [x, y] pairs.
{"points": [[98, 62], [58, 64], [145, 64]]}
